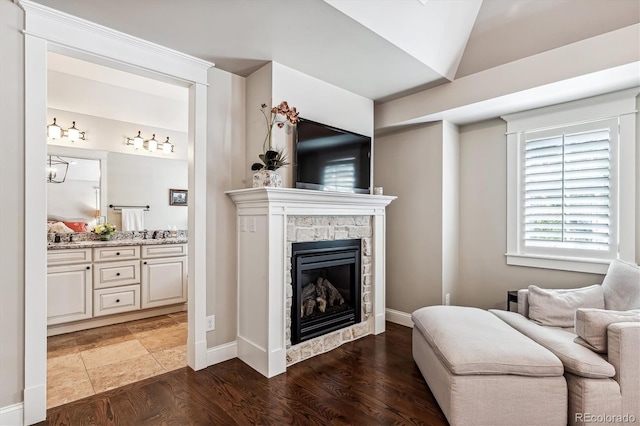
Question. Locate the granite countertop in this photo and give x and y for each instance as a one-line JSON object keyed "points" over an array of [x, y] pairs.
{"points": [[115, 243]]}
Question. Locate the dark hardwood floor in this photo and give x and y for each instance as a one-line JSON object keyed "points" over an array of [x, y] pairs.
{"points": [[371, 381]]}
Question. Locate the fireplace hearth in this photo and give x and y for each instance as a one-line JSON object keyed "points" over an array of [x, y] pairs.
{"points": [[326, 287]]}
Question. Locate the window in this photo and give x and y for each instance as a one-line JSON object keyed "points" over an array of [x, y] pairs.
{"points": [[571, 186], [568, 200]]}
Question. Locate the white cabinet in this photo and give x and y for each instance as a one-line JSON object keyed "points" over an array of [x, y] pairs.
{"points": [[88, 283], [69, 291], [164, 281]]}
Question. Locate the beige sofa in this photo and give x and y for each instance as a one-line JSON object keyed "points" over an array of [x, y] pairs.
{"points": [[513, 382]]}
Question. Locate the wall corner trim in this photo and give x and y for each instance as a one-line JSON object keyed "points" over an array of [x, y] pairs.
{"points": [[12, 415], [221, 353], [398, 317]]}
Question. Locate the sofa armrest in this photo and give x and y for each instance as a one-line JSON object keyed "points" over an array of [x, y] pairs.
{"points": [[523, 302], [623, 343]]}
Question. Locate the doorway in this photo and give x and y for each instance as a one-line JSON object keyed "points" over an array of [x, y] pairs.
{"points": [[47, 30], [117, 316]]}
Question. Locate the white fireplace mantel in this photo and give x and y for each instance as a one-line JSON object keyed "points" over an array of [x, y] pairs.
{"points": [[262, 258]]}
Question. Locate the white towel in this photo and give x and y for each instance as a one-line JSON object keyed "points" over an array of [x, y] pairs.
{"points": [[132, 220]]}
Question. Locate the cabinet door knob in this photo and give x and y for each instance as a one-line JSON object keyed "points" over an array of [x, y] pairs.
{"points": [[88, 267], [117, 300], [117, 274], [145, 263], [118, 253]]}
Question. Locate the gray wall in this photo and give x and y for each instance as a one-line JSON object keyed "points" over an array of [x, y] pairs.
{"points": [[409, 165], [485, 276], [11, 204], [225, 171]]}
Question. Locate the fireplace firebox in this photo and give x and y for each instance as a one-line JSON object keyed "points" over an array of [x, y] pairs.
{"points": [[326, 287]]}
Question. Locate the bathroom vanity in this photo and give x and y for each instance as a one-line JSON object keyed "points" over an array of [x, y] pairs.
{"points": [[96, 283]]}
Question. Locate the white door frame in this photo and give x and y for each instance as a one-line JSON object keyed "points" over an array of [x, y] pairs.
{"points": [[47, 29]]}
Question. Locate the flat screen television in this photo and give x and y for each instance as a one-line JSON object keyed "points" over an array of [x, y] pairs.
{"points": [[331, 159]]}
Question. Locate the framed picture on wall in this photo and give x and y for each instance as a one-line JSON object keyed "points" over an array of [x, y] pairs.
{"points": [[177, 197]]}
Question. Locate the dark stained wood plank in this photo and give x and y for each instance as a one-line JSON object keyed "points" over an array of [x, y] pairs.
{"points": [[370, 381]]}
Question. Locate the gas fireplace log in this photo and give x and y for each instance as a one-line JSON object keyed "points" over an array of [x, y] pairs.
{"points": [[307, 307], [333, 296], [309, 292], [322, 304]]}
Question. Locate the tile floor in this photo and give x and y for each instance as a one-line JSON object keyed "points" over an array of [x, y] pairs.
{"points": [[87, 362]]}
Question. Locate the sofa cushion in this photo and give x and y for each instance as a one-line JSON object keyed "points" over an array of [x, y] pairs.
{"points": [[621, 286], [591, 326], [556, 308], [472, 341], [576, 358]]}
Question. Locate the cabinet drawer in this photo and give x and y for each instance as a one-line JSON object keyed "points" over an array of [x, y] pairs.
{"points": [[164, 250], [101, 254], [114, 274], [116, 300], [68, 256]]}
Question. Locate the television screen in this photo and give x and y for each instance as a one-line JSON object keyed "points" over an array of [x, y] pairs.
{"points": [[330, 159]]}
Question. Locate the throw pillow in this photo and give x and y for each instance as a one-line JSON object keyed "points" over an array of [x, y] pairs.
{"points": [[556, 308], [591, 326], [621, 286], [77, 226], [60, 228]]}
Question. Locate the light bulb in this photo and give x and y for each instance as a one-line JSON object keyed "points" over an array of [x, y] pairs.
{"points": [[54, 131], [167, 148], [73, 134], [152, 144], [138, 141]]}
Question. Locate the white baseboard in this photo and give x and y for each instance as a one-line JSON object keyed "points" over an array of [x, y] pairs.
{"points": [[398, 317], [12, 415], [222, 353]]}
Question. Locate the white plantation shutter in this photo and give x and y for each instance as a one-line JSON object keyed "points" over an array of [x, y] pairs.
{"points": [[568, 200]]}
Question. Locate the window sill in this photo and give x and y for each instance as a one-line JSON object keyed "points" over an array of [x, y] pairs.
{"points": [[592, 266]]}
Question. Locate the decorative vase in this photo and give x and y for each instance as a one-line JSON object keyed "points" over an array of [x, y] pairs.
{"points": [[267, 178], [105, 237]]}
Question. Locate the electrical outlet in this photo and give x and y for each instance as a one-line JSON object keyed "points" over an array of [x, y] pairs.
{"points": [[211, 322], [447, 299]]}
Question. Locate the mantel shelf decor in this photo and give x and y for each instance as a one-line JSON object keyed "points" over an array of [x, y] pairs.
{"points": [[273, 158]]}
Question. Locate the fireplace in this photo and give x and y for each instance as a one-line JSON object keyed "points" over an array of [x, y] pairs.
{"points": [[326, 287]]}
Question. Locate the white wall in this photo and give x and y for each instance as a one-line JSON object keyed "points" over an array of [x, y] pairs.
{"points": [[132, 180], [73, 93], [225, 171], [409, 165], [485, 276], [12, 204], [450, 208]]}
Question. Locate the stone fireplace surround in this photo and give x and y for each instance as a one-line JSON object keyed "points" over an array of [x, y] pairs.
{"points": [[268, 221]]}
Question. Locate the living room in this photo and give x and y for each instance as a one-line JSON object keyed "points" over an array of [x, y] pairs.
{"points": [[442, 151]]}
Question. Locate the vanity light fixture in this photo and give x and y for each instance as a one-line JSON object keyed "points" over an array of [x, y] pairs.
{"points": [[167, 147], [151, 145], [72, 133], [56, 169]]}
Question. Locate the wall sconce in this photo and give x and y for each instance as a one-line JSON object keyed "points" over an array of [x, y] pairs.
{"points": [[150, 145], [72, 133], [167, 147], [56, 170], [136, 142]]}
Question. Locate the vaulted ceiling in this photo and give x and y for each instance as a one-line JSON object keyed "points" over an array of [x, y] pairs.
{"points": [[380, 49]]}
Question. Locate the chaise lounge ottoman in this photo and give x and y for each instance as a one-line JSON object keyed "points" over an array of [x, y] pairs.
{"points": [[483, 372]]}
